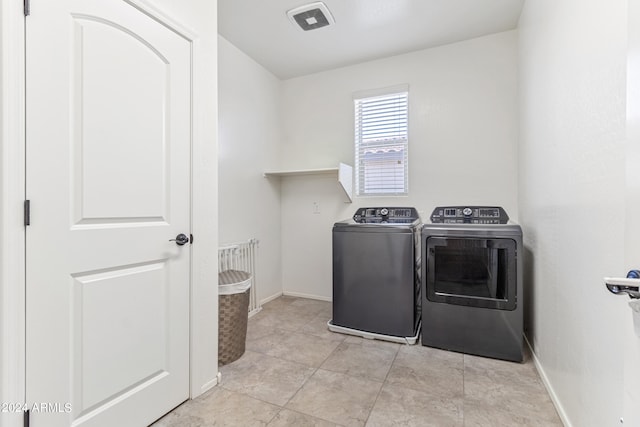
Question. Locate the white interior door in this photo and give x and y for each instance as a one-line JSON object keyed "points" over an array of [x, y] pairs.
{"points": [[631, 350], [108, 176]]}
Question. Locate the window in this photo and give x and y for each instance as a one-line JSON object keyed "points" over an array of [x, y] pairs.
{"points": [[381, 128]]}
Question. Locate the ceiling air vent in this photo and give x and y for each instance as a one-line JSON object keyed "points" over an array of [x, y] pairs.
{"points": [[311, 16]]}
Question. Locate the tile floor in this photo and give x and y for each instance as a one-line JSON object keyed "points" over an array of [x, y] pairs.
{"points": [[297, 373]]}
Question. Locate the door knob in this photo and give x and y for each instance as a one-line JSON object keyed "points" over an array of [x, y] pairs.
{"points": [[181, 239], [629, 285]]}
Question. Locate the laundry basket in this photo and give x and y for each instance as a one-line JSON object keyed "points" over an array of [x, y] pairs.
{"points": [[233, 311]]}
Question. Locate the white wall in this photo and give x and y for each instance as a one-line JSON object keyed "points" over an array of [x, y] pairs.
{"points": [[249, 134], [462, 143], [572, 56]]}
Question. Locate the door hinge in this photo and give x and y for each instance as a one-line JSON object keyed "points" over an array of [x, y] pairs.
{"points": [[27, 7], [26, 418], [27, 212]]}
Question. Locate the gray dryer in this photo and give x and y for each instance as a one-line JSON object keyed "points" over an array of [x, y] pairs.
{"points": [[472, 299]]}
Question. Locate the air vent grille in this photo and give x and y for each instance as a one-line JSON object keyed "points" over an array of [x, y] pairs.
{"points": [[311, 16]]}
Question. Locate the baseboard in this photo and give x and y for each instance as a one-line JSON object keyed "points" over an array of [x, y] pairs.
{"points": [[545, 380], [210, 384], [254, 312], [271, 298], [309, 296]]}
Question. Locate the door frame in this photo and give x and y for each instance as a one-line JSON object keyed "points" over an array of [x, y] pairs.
{"points": [[631, 343], [204, 199]]}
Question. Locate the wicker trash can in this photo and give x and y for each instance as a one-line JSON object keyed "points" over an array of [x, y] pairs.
{"points": [[233, 311]]}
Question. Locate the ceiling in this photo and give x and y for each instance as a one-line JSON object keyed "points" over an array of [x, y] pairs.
{"points": [[364, 29]]}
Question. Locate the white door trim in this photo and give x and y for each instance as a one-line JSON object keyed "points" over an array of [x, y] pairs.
{"points": [[204, 292], [12, 184]]}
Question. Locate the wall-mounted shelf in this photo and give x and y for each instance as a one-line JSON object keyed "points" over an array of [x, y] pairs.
{"points": [[325, 171], [343, 172], [345, 178]]}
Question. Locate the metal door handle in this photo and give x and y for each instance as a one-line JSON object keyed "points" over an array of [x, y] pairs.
{"points": [[181, 239], [629, 285]]}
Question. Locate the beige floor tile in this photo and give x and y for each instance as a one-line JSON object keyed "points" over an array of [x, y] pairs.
{"points": [[361, 359], [419, 355], [508, 400], [353, 339], [287, 418], [286, 318], [262, 339], [360, 380], [294, 305], [264, 377], [313, 306], [336, 397], [502, 370], [507, 389], [437, 372], [481, 374], [327, 311], [318, 327], [446, 382], [220, 407], [399, 406], [481, 415], [176, 419], [278, 303], [304, 348]]}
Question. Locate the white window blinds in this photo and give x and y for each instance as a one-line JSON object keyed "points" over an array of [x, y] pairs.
{"points": [[381, 128]]}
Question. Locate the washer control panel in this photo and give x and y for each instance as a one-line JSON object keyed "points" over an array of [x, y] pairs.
{"points": [[386, 215], [469, 215]]}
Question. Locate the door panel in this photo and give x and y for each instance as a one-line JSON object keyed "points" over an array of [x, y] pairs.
{"points": [[108, 174], [127, 345], [106, 57]]}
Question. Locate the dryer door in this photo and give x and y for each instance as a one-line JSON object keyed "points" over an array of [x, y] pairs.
{"points": [[476, 272]]}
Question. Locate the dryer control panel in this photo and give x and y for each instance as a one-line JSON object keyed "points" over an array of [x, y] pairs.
{"points": [[469, 215]]}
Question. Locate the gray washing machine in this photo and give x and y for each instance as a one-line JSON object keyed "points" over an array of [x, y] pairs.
{"points": [[376, 282], [472, 299]]}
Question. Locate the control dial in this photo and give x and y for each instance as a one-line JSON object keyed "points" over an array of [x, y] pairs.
{"points": [[384, 211], [467, 211]]}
